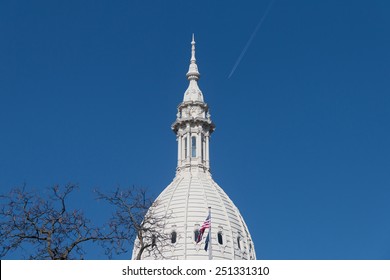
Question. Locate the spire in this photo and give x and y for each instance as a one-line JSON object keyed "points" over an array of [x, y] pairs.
{"points": [[193, 59], [193, 125], [193, 73], [193, 93]]}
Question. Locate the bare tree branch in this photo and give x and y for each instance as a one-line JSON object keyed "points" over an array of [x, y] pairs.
{"points": [[135, 219], [46, 224]]}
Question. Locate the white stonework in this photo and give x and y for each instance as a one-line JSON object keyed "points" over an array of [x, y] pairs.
{"points": [[187, 199]]}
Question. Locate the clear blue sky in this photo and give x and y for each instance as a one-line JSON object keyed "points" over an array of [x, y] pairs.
{"points": [[89, 89]]}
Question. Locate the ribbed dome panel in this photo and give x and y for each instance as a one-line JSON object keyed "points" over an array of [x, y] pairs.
{"points": [[186, 201]]}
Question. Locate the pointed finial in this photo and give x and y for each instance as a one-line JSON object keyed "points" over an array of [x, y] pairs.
{"points": [[193, 93], [193, 73], [193, 59]]}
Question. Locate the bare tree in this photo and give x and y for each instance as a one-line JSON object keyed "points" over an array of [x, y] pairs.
{"points": [[137, 221], [46, 224]]}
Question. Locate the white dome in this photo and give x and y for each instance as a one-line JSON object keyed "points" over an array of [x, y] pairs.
{"points": [[186, 201], [184, 205]]}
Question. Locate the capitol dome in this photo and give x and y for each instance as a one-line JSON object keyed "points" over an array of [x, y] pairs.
{"points": [[193, 194]]}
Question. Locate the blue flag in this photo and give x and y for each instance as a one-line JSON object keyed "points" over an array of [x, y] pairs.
{"points": [[206, 245]]}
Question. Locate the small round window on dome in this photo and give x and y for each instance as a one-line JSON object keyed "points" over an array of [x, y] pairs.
{"points": [[196, 235], [239, 242], [173, 237], [220, 238]]}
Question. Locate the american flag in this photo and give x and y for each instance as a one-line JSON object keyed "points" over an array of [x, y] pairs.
{"points": [[206, 224], [206, 243]]}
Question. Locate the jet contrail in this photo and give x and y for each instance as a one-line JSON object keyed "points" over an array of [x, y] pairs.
{"points": [[251, 38]]}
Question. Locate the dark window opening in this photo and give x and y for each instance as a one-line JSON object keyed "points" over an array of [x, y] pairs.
{"points": [[220, 238], [196, 235], [193, 145], [185, 147], [173, 237], [202, 144]]}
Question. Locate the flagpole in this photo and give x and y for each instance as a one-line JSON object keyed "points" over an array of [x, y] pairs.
{"points": [[210, 244]]}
